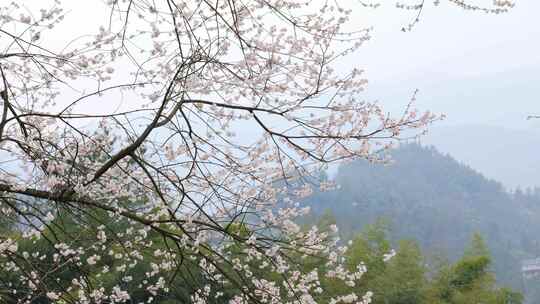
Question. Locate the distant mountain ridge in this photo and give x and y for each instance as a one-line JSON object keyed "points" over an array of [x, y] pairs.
{"points": [[507, 155], [434, 199]]}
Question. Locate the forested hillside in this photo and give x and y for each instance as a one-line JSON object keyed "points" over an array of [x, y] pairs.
{"points": [[431, 198]]}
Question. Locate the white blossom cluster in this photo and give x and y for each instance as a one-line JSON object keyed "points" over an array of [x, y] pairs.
{"points": [[127, 171]]}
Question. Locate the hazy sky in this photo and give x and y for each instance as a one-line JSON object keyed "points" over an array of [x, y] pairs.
{"points": [[480, 70], [477, 69], [474, 67]]}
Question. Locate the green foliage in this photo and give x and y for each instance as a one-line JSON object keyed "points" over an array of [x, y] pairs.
{"points": [[477, 247], [440, 203], [406, 278], [429, 198], [469, 280], [468, 270]]}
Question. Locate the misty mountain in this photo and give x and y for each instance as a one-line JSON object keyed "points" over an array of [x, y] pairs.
{"points": [[432, 198], [507, 155]]}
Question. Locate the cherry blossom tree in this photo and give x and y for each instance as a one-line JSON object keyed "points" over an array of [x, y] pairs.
{"points": [[173, 143]]}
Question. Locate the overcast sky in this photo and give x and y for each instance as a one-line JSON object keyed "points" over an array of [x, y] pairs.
{"points": [[480, 70], [477, 69]]}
